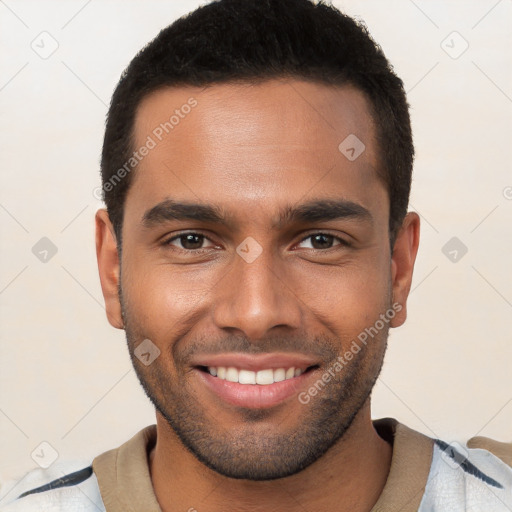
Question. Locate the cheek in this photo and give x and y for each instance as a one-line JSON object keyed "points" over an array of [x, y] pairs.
{"points": [[160, 297], [346, 299]]}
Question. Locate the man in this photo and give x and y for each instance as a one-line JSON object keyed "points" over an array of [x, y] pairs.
{"points": [[256, 249]]}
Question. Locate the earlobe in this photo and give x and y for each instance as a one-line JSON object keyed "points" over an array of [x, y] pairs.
{"points": [[402, 265], [108, 267]]}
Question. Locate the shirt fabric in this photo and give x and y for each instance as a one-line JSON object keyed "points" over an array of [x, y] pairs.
{"points": [[426, 475]]}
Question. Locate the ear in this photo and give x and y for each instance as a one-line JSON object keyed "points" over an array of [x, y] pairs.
{"points": [[108, 266], [402, 264]]}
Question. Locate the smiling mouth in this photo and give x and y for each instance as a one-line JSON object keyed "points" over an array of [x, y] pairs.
{"points": [[262, 377]]}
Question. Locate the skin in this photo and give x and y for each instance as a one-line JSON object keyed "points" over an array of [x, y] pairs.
{"points": [[252, 149]]}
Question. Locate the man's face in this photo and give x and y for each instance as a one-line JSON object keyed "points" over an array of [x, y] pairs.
{"points": [[262, 290]]}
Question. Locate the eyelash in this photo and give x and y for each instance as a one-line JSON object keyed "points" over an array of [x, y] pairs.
{"points": [[167, 242]]}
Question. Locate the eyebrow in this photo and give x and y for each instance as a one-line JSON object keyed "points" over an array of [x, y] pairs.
{"points": [[319, 210]]}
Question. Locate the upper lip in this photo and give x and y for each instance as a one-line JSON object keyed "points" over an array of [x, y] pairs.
{"points": [[256, 363]]}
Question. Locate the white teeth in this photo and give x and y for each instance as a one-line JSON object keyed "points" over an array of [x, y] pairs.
{"points": [[246, 377], [279, 375], [263, 377], [232, 374]]}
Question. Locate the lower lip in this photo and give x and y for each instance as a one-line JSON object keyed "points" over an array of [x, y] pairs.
{"points": [[254, 396]]}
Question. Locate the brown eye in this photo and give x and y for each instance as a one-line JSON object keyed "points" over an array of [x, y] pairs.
{"points": [[187, 241], [322, 241], [191, 241]]}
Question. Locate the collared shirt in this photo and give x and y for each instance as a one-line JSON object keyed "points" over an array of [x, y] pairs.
{"points": [[426, 475]]}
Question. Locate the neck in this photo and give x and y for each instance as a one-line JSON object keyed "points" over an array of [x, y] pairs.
{"points": [[349, 477]]}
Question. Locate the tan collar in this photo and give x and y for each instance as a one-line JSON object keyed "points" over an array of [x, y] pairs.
{"points": [[125, 483], [123, 475], [410, 466]]}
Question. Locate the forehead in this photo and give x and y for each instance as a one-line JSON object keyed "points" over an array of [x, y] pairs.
{"points": [[255, 144], [280, 114]]}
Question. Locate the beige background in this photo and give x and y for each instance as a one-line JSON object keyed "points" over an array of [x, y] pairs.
{"points": [[66, 377]]}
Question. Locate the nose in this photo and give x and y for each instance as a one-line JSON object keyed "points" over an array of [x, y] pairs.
{"points": [[256, 297]]}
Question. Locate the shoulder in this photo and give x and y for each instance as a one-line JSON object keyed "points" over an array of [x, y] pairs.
{"points": [[469, 477], [502, 450], [66, 485]]}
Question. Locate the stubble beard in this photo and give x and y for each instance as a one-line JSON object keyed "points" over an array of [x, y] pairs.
{"points": [[257, 448]]}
